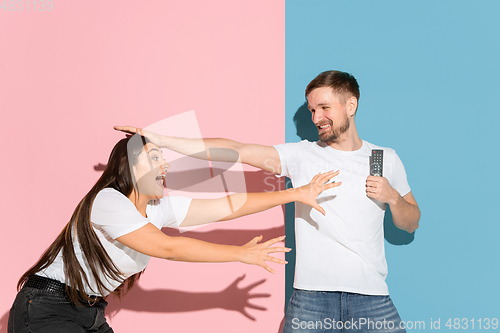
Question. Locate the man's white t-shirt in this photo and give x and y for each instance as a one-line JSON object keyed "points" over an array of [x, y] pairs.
{"points": [[114, 215], [344, 250]]}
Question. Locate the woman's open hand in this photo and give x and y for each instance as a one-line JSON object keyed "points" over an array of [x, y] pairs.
{"points": [[254, 253], [152, 137], [307, 194]]}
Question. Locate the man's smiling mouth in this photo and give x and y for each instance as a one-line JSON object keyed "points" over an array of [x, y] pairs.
{"points": [[324, 126]]}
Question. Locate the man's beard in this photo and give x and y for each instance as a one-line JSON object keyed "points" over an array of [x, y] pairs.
{"points": [[334, 134]]}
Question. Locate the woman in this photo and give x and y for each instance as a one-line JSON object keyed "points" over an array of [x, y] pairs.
{"points": [[116, 228]]}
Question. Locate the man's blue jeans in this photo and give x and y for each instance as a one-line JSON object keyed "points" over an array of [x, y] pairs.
{"points": [[333, 311]]}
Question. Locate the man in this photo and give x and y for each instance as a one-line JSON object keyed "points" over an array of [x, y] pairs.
{"points": [[340, 266]]}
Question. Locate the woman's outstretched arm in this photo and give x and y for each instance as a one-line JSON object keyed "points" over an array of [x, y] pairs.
{"points": [[203, 211], [151, 241]]}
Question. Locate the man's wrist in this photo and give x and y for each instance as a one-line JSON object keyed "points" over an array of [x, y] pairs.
{"points": [[396, 199]]}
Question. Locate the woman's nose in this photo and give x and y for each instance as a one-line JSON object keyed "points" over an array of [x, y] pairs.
{"points": [[165, 166]]}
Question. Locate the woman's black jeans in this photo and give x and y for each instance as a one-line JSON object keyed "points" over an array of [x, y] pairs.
{"points": [[43, 311]]}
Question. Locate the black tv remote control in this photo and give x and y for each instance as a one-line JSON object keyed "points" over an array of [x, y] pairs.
{"points": [[376, 162]]}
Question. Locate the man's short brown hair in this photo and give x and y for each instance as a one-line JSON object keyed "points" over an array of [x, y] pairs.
{"points": [[343, 84]]}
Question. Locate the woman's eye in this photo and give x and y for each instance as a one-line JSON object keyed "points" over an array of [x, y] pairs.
{"points": [[155, 158]]}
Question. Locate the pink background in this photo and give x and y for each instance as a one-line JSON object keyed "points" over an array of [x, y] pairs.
{"points": [[69, 75]]}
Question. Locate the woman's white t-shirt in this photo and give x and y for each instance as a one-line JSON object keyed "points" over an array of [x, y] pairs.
{"points": [[114, 215]]}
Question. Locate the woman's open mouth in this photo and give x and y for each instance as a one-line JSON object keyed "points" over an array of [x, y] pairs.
{"points": [[160, 180]]}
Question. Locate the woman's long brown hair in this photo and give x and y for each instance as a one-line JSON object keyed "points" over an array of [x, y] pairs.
{"points": [[118, 176]]}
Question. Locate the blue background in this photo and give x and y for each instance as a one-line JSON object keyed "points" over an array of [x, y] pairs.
{"points": [[428, 74]]}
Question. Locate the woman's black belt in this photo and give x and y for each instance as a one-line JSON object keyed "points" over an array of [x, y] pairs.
{"points": [[44, 283]]}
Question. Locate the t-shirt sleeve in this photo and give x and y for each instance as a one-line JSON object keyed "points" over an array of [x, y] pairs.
{"points": [[173, 211], [288, 154], [399, 179], [115, 214]]}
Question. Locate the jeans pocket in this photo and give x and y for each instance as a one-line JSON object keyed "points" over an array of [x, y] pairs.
{"points": [[54, 311], [17, 321]]}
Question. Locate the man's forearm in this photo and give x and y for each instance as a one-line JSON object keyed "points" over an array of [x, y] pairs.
{"points": [[404, 214]]}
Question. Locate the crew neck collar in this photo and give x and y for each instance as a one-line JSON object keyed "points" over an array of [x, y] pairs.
{"points": [[344, 152]]}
